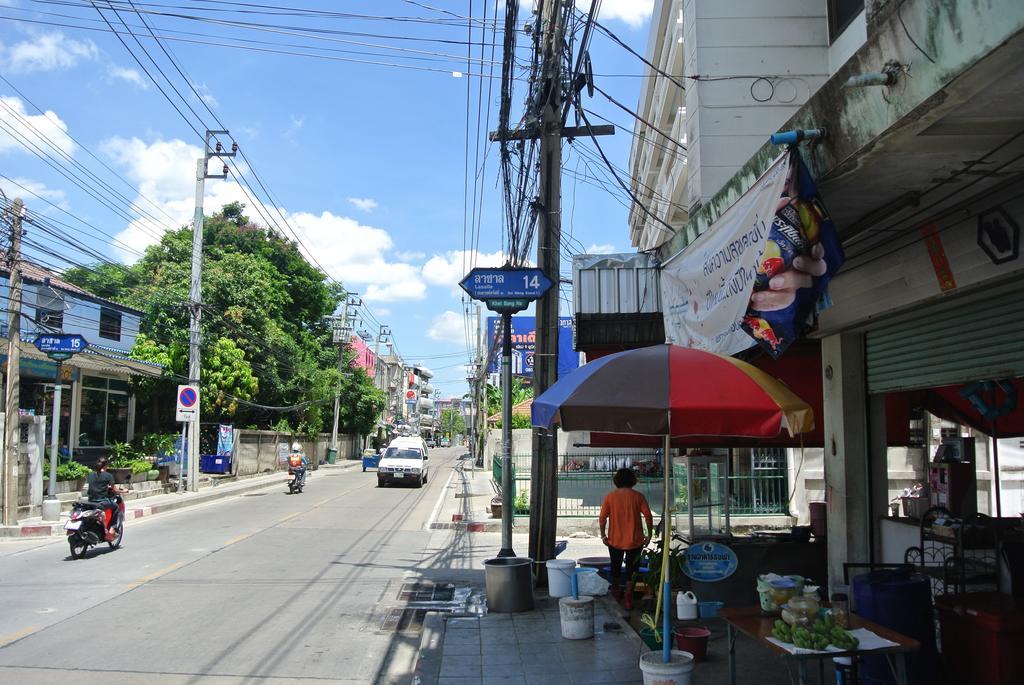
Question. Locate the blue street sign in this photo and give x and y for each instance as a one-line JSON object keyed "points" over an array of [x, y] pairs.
{"points": [[506, 284], [60, 346]]}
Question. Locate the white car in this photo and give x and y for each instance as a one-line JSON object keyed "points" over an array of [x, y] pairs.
{"points": [[404, 461]]}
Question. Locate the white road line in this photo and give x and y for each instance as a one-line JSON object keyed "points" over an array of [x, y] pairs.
{"points": [[440, 501]]}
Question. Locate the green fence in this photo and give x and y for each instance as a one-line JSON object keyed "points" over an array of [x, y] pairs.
{"points": [[584, 480]]}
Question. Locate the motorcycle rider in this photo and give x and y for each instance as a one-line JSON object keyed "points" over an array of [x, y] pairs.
{"points": [[297, 462], [100, 483]]}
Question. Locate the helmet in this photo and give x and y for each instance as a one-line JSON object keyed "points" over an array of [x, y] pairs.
{"points": [[296, 447]]}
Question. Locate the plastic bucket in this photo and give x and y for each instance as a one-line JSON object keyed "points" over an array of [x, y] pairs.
{"points": [[509, 583], [694, 641], [650, 638], [709, 609], [678, 671], [577, 616], [560, 573]]}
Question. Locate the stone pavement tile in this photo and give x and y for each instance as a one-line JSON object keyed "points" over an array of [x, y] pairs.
{"points": [[460, 672], [463, 624], [596, 677], [474, 680], [462, 637], [509, 657], [546, 678], [456, 661], [462, 649], [517, 679]]}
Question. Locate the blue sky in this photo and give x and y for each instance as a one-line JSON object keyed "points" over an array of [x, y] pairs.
{"points": [[365, 162]]}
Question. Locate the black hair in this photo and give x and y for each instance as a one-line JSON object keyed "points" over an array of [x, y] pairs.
{"points": [[101, 464], [624, 478]]}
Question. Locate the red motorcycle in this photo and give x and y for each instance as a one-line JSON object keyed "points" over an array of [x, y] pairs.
{"points": [[88, 522]]}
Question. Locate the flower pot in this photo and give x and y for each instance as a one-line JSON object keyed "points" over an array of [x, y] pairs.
{"points": [[121, 476], [651, 638], [678, 671], [153, 474]]}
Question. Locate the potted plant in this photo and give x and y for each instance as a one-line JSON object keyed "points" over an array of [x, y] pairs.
{"points": [[121, 460], [72, 474]]}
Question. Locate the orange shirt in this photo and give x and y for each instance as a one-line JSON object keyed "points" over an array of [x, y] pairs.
{"points": [[622, 508]]}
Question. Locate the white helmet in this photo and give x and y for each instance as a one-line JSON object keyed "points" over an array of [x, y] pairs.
{"points": [[296, 447]]}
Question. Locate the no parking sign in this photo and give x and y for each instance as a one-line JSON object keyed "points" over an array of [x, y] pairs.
{"points": [[188, 403]]}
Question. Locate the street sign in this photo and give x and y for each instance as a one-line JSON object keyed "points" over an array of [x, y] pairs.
{"points": [[188, 403], [507, 306], [506, 284], [60, 346]]}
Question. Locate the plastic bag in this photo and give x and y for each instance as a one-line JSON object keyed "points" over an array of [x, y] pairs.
{"points": [[592, 584]]}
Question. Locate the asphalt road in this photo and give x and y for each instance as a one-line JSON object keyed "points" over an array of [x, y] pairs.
{"points": [[262, 588]]}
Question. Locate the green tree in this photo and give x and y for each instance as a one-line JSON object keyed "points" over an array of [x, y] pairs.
{"points": [[264, 334], [520, 393], [452, 422]]}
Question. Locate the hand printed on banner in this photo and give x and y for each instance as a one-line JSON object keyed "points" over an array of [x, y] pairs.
{"points": [[793, 269]]}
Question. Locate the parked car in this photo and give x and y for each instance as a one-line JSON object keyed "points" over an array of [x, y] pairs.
{"points": [[445, 442], [404, 461], [431, 443]]}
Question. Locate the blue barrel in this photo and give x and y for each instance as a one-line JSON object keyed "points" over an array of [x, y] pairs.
{"points": [[900, 601]]}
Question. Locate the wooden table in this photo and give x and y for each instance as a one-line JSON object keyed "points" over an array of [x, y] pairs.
{"points": [[755, 624]]}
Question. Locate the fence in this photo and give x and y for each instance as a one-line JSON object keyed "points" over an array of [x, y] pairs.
{"points": [[259, 451], [584, 480]]}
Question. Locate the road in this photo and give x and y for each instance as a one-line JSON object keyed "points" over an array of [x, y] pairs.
{"points": [[261, 588]]}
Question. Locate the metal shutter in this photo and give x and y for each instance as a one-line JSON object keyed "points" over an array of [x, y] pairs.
{"points": [[979, 340]]}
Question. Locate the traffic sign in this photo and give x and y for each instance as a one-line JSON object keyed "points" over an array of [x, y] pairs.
{"points": [[507, 306], [506, 284], [188, 403], [60, 346]]}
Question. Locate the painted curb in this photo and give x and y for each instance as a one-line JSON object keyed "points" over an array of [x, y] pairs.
{"points": [[428, 659]]}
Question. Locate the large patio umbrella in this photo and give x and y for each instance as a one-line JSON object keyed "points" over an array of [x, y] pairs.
{"points": [[672, 392]]}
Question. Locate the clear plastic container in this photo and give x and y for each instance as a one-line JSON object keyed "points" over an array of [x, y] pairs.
{"points": [[841, 610], [801, 610]]}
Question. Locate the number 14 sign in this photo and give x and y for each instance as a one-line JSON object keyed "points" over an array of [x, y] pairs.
{"points": [[506, 284]]}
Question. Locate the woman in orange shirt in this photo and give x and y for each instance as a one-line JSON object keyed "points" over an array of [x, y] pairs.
{"points": [[625, 536]]}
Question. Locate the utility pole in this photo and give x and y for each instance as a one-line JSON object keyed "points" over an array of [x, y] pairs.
{"points": [[12, 415], [382, 333], [341, 335], [479, 418], [196, 291], [544, 474]]}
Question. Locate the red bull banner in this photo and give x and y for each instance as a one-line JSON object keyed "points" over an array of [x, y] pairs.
{"points": [[759, 274]]}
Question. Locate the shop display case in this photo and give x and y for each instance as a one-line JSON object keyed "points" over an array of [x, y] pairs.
{"points": [[707, 490]]}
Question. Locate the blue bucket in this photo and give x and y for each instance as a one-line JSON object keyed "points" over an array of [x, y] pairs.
{"points": [[709, 609]]}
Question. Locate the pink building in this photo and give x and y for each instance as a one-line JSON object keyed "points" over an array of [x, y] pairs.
{"points": [[364, 357]]}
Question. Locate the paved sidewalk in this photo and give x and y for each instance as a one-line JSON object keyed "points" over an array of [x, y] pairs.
{"points": [[158, 504], [528, 649]]}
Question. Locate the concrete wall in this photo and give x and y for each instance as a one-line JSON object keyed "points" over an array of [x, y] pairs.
{"points": [[257, 451], [728, 119]]}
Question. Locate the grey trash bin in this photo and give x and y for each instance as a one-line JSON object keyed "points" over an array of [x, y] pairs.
{"points": [[509, 582]]}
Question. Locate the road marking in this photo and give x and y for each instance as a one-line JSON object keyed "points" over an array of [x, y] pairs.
{"points": [[154, 575], [440, 501], [239, 538], [14, 637], [289, 517]]}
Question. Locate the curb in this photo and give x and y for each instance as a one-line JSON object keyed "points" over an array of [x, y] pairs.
{"points": [[211, 494], [428, 659]]}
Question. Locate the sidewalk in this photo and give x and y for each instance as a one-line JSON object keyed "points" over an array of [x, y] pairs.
{"points": [[158, 504], [527, 648]]}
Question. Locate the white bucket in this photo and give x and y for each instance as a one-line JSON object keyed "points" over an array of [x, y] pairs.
{"points": [[560, 576], [577, 617], [679, 671]]}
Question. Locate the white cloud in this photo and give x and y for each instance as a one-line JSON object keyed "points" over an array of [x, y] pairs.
{"points": [[164, 171], [130, 75], [601, 249], [383, 311], [364, 262], [448, 327], [632, 12], [449, 268], [205, 94], [30, 191], [410, 255], [366, 204], [46, 52], [37, 129]]}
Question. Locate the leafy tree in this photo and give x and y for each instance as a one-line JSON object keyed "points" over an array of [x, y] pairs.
{"points": [[452, 422], [520, 393], [264, 334]]}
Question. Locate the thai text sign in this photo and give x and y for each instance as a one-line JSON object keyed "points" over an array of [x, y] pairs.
{"points": [[524, 343], [709, 562]]}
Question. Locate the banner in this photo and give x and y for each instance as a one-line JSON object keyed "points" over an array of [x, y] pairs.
{"points": [[757, 274], [524, 338]]}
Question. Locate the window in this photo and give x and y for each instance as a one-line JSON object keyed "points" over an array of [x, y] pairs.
{"points": [[110, 323], [104, 412], [51, 320], [840, 14]]}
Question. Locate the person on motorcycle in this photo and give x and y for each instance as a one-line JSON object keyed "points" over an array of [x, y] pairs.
{"points": [[297, 462], [100, 484]]}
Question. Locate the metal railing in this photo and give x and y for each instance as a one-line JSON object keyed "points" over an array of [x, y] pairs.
{"points": [[584, 480]]}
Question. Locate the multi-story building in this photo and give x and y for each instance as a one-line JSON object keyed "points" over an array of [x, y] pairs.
{"points": [[97, 405]]}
